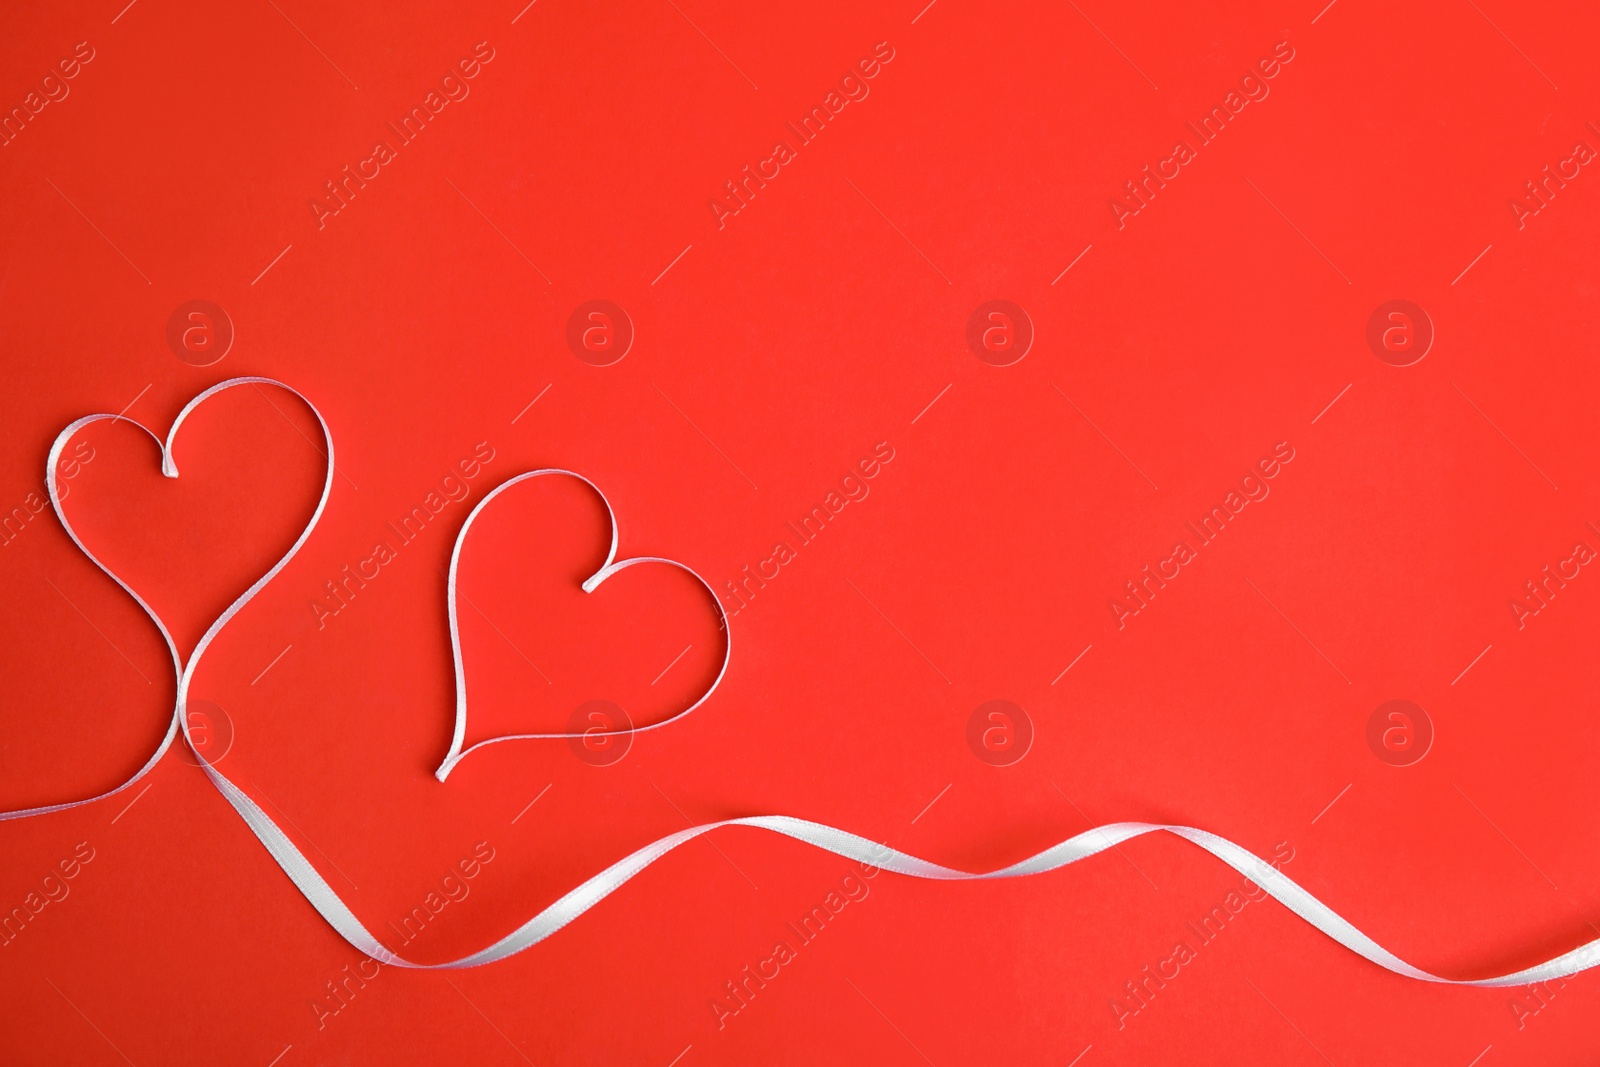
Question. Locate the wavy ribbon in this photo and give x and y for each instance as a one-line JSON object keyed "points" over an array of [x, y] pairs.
{"points": [[322, 897]]}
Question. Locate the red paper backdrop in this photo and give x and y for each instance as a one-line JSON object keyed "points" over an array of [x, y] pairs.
{"points": [[773, 350]]}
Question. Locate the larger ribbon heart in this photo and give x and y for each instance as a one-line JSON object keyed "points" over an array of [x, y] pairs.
{"points": [[183, 670]]}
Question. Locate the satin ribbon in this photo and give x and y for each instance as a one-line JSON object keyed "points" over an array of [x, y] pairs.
{"points": [[590, 584], [569, 907]]}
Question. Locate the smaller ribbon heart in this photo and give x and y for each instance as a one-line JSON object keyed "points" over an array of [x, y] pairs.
{"points": [[610, 567]]}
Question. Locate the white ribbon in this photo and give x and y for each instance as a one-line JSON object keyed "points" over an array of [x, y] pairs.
{"points": [[840, 842], [590, 584]]}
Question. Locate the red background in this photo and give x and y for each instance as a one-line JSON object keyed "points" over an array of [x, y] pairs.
{"points": [[820, 320]]}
